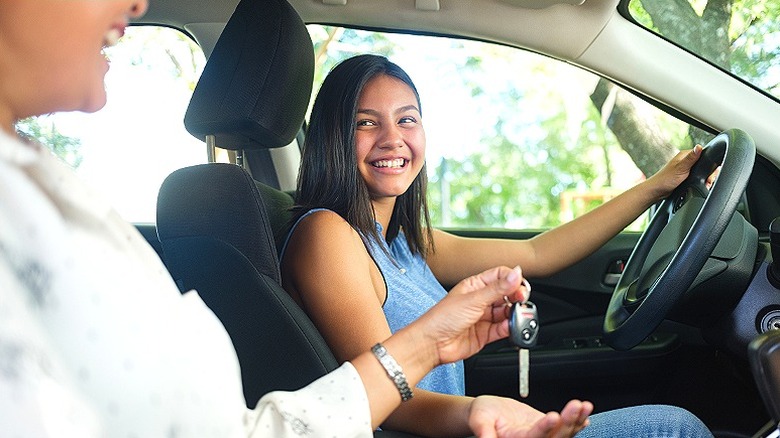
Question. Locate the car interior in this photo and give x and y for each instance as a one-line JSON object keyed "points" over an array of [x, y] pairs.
{"points": [[216, 227], [711, 349]]}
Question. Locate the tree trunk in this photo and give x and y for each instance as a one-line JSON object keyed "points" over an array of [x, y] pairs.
{"points": [[640, 137], [707, 35]]}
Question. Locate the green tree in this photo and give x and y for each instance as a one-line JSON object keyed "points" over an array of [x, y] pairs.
{"points": [[161, 48], [732, 34], [535, 157], [530, 159], [44, 131], [334, 44], [501, 185]]}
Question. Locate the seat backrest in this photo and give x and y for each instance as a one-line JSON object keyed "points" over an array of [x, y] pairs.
{"points": [[212, 220]]}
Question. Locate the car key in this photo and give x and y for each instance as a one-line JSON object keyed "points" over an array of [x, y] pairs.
{"points": [[523, 332]]}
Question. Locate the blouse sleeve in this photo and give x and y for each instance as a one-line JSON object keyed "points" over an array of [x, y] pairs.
{"points": [[334, 405]]}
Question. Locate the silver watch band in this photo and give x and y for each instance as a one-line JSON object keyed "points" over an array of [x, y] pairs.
{"points": [[394, 371]]}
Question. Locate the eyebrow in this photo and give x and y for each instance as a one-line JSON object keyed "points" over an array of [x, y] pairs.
{"points": [[398, 110]]}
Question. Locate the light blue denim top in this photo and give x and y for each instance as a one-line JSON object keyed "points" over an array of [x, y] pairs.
{"points": [[411, 291]]}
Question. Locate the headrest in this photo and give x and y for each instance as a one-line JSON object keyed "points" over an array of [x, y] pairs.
{"points": [[256, 85]]}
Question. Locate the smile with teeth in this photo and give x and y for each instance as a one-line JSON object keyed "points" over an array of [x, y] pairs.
{"points": [[111, 37], [394, 164]]}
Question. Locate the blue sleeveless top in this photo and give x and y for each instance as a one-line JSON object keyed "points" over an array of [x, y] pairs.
{"points": [[412, 289]]}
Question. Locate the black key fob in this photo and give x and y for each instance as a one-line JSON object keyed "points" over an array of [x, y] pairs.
{"points": [[523, 324]]}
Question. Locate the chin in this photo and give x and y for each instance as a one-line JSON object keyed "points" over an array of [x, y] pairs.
{"points": [[95, 103]]}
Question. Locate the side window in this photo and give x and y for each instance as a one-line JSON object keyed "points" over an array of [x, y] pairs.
{"points": [[515, 139], [743, 38], [131, 145]]}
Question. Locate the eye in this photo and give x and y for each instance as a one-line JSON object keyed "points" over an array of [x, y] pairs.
{"points": [[365, 122], [407, 119]]}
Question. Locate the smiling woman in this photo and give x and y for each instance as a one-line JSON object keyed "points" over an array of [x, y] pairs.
{"points": [[140, 131], [81, 83], [526, 130], [363, 261], [85, 301], [494, 112]]}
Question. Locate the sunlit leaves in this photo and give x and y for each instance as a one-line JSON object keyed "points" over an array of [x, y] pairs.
{"points": [[741, 36], [44, 131]]}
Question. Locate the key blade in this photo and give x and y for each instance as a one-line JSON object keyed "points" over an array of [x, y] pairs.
{"points": [[523, 365]]}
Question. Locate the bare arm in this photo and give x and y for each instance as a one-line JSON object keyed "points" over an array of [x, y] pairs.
{"points": [[457, 257], [329, 270], [469, 317], [328, 260]]}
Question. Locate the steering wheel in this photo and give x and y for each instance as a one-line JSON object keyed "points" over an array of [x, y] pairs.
{"points": [[678, 241]]}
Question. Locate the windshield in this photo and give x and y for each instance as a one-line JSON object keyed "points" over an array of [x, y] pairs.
{"points": [[739, 36]]}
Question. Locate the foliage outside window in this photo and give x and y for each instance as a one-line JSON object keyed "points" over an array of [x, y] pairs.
{"points": [[515, 139], [129, 147], [739, 36]]}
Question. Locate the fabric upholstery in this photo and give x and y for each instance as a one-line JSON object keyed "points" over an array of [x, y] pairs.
{"points": [[255, 89], [218, 227], [221, 201], [213, 224], [217, 239]]}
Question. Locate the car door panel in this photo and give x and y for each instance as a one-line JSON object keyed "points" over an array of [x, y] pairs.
{"points": [[673, 366]]}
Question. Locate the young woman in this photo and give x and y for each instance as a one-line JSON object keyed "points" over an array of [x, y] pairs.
{"points": [[363, 261], [95, 338]]}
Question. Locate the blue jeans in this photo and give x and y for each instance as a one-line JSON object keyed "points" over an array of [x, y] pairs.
{"points": [[645, 422]]}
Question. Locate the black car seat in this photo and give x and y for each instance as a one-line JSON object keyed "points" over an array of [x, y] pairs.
{"points": [[212, 221]]}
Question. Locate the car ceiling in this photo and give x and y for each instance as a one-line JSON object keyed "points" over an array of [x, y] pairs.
{"points": [[602, 41], [543, 29]]}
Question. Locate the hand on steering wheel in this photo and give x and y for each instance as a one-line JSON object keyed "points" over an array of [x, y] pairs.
{"points": [[681, 236]]}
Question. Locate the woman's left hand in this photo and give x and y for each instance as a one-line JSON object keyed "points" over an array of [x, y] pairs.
{"points": [[473, 314], [497, 417]]}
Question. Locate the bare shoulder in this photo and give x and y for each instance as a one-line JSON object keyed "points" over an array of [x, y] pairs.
{"points": [[320, 240], [328, 271], [324, 227]]}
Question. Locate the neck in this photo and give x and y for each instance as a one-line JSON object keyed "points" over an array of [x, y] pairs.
{"points": [[383, 211], [7, 122]]}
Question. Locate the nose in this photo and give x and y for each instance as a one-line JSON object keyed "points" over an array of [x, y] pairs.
{"points": [[392, 137], [138, 8]]}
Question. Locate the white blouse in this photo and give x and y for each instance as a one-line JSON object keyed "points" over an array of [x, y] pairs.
{"points": [[97, 341]]}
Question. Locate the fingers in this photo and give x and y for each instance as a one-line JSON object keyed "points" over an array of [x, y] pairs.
{"points": [[713, 176], [573, 418], [689, 158], [494, 284], [577, 412], [525, 291], [494, 416], [515, 286]]}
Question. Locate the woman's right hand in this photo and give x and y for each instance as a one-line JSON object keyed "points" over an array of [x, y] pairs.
{"points": [[473, 314], [500, 417]]}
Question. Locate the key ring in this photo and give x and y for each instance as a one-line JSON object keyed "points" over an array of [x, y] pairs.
{"points": [[527, 287]]}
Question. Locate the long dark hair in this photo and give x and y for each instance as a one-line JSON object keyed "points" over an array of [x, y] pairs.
{"points": [[329, 177]]}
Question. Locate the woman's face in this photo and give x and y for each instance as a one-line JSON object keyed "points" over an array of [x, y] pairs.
{"points": [[52, 56], [389, 137]]}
